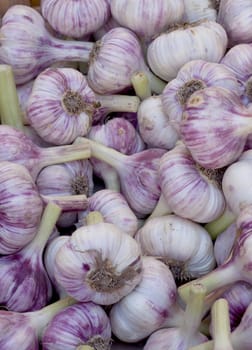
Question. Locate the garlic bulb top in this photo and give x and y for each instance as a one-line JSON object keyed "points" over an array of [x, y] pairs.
{"points": [[99, 263], [75, 18], [145, 309], [236, 17], [146, 17], [193, 76], [183, 245], [208, 41], [196, 10]]}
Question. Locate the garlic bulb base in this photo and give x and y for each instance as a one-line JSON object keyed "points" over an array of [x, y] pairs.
{"points": [[74, 104], [185, 91], [9, 103]]}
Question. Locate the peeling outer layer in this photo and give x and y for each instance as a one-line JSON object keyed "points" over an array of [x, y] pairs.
{"points": [[100, 270]]}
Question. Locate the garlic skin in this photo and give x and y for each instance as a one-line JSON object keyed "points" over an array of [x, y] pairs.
{"points": [[100, 270], [190, 190], [217, 139], [146, 308], [236, 19], [70, 178], [196, 10], [224, 244], [21, 207], [192, 76], [111, 73], [60, 106], [208, 41], [75, 18], [154, 126], [76, 325], [114, 209], [183, 245], [110, 24], [147, 18]]}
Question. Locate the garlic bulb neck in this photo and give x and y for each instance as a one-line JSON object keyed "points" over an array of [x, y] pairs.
{"points": [[95, 51], [74, 104], [188, 89]]}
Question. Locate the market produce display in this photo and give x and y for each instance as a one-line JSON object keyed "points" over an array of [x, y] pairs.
{"points": [[125, 175]]}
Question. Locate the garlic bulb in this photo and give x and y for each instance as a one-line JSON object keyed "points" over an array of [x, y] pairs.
{"points": [[236, 19], [190, 190], [196, 10], [61, 105], [110, 24], [24, 92], [147, 18], [28, 46], [114, 209], [154, 126], [113, 61], [75, 18], [224, 244], [25, 284], [183, 245], [77, 325], [208, 41], [217, 139], [192, 76], [99, 263], [70, 178], [21, 207], [145, 309]]}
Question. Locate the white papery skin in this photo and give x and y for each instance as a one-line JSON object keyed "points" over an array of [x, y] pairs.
{"points": [[47, 112], [206, 40], [91, 249], [147, 17], [196, 10], [186, 244], [146, 308], [75, 18], [236, 18], [114, 209], [154, 126], [224, 244], [202, 72], [190, 190]]}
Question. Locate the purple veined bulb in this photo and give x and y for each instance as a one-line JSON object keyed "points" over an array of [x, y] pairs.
{"points": [[224, 243], [193, 76], [114, 209], [29, 47], [75, 18], [25, 283], [70, 178], [62, 106], [147, 18], [113, 61], [119, 134], [110, 24], [77, 325]]}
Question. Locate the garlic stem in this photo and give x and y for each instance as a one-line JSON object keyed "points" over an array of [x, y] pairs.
{"points": [[221, 325], [67, 203], [162, 208], [219, 225], [10, 111], [111, 180], [221, 276], [49, 218], [141, 85], [85, 347], [157, 85], [62, 154], [193, 311], [70, 50], [204, 346], [42, 317], [94, 217], [119, 103]]}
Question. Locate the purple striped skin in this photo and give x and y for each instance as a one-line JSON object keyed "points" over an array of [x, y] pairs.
{"points": [[77, 324], [215, 126], [111, 73], [188, 191], [147, 18], [75, 18], [29, 48], [20, 207], [17, 332], [25, 285], [241, 336], [114, 209]]}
